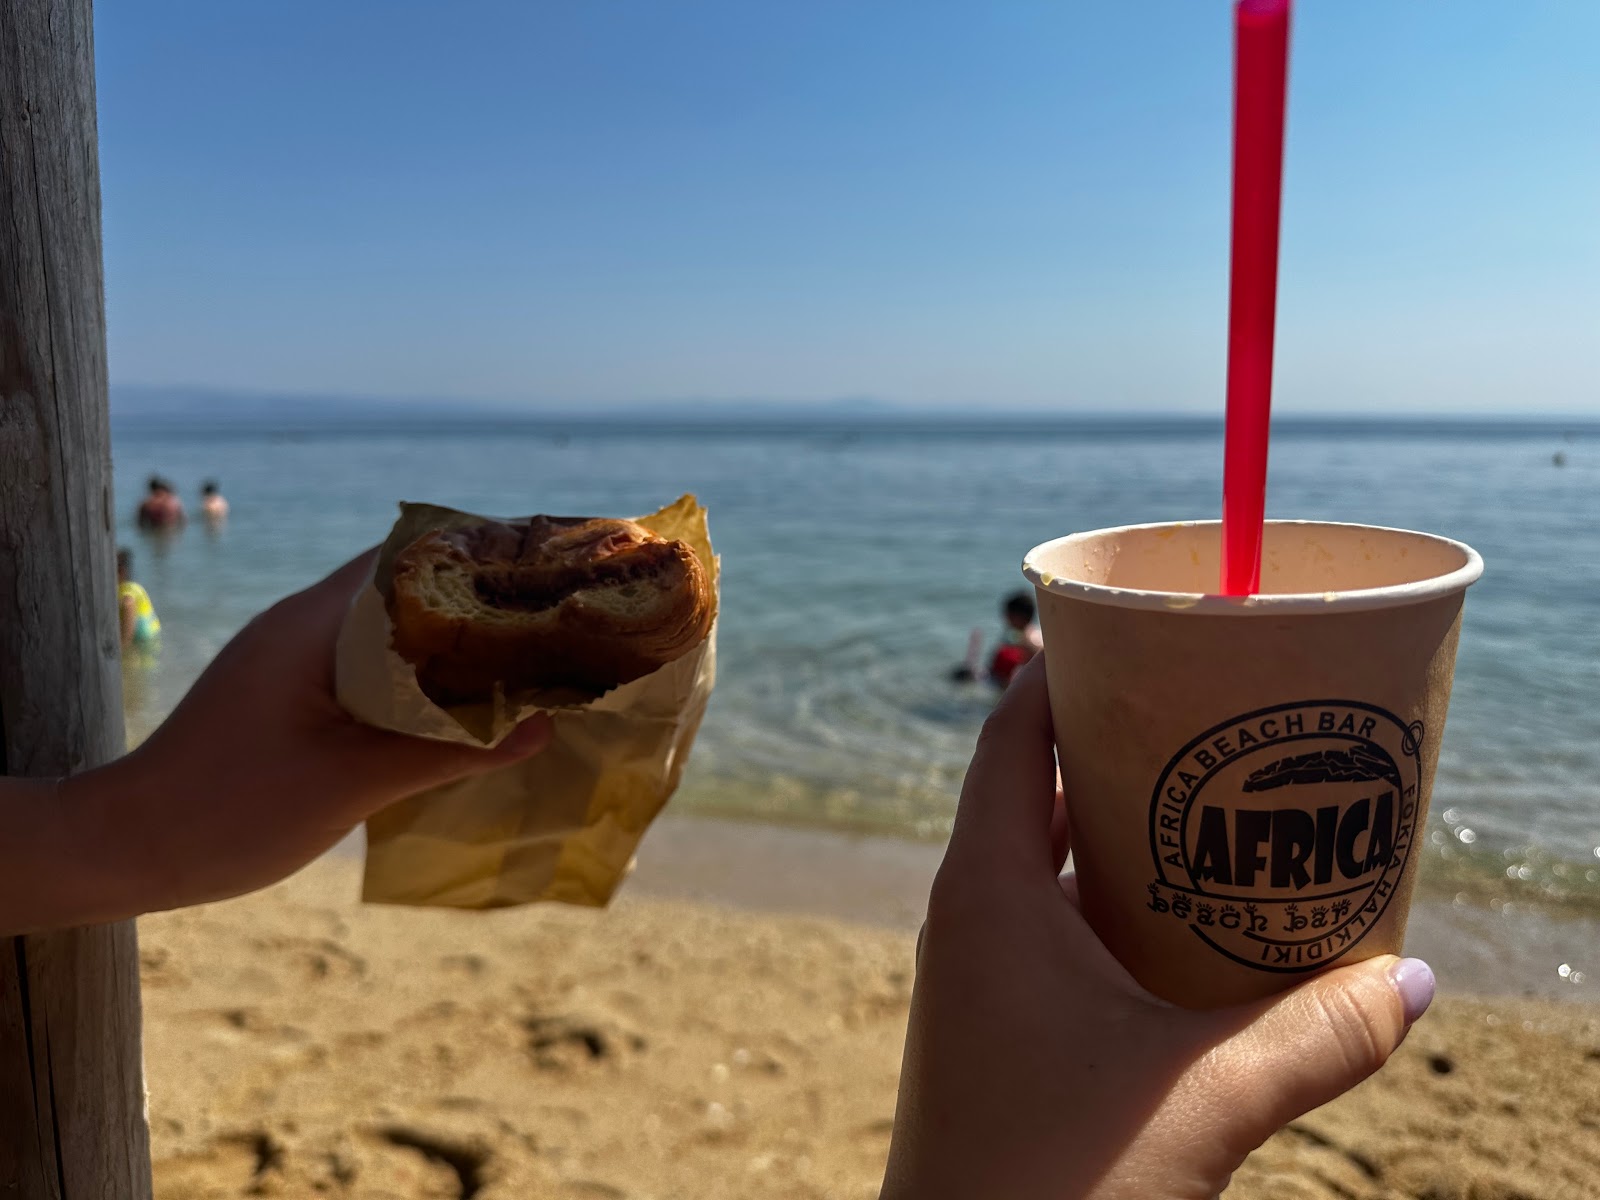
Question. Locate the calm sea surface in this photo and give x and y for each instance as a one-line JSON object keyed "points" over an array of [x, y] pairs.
{"points": [[857, 559]]}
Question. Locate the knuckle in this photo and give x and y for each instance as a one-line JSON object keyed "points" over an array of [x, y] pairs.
{"points": [[991, 733], [963, 903], [945, 897], [993, 748], [1353, 1022], [260, 628], [952, 900]]}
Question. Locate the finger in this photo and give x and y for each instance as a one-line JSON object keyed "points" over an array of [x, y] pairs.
{"points": [[343, 580], [299, 631], [1314, 1043], [384, 767], [1069, 889], [327, 600], [1004, 815], [1060, 830]]}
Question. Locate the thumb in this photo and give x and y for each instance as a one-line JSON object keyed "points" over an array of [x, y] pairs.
{"points": [[1318, 1041], [1004, 817], [389, 766]]}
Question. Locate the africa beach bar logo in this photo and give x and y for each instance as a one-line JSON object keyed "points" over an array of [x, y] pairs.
{"points": [[1280, 837]]}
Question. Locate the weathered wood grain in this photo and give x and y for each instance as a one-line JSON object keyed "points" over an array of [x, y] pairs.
{"points": [[72, 1121]]}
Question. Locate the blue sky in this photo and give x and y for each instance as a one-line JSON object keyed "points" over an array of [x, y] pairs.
{"points": [[1018, 204]]}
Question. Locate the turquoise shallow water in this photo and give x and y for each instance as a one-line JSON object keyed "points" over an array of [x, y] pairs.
{"points": [[857, 558]]}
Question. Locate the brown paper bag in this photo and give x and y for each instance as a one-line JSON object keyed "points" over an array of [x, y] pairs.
{"points": [[562, 825]]}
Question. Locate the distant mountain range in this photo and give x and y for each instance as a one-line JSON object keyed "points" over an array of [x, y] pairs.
{"points": [[215, 406]]}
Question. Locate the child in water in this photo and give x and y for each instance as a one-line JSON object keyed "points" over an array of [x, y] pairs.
{"points": [[1020, 640], [140, 626]]}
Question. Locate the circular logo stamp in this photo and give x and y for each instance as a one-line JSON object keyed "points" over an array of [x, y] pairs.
{"points": [[1280, 836]]}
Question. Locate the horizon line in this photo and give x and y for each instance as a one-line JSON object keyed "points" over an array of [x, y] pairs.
{"points": [[769, 406]]}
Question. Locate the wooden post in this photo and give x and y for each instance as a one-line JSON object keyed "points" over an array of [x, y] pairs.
{"points": [[72, 1120]]}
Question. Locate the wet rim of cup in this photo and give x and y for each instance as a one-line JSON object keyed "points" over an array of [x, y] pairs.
{"points": [[1202, 603]]}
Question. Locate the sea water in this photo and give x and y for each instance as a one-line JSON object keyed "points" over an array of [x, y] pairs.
{"points": [[859, 556]]}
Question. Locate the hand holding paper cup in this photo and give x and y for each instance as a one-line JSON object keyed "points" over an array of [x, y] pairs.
{"points": [[1246, 777], [1246, 774]]}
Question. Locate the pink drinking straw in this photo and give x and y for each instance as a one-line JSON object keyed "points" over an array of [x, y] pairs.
{"points": [[1262, 80]]}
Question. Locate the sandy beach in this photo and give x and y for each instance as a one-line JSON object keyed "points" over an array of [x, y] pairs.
{"points": [[703, 1038]]}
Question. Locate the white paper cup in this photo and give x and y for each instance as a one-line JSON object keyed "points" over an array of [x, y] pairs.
{"points": [[1246, 777]]}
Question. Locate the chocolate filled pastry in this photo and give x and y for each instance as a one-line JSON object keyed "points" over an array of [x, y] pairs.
{"points": [[567, 605]]}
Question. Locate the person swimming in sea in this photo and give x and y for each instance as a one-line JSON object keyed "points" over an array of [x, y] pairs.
{"points": [[213, 505], [141, 628], [161, 508], [1020, 640]]}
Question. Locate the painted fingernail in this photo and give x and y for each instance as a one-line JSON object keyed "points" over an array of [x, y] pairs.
{"points": [[1413, 979]]}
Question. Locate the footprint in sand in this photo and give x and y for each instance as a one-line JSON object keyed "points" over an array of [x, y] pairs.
{"points": [[591, 1187], [1355, 1158], [432, 1014], [473, 965], [240, 1023], [316, 959], [156, 969], [272, 1047], [234, 1164], [883, 1127], [566, 1043], [361, 1039], [245, 1020], [430, 1165]]}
